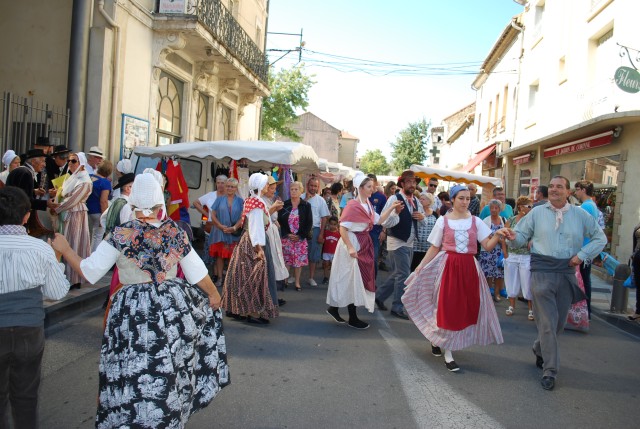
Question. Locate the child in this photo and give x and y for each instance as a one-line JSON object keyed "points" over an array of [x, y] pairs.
{"points": [[331, 237]]}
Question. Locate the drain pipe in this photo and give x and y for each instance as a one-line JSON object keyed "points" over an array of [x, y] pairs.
{"points": [[115, 77]]}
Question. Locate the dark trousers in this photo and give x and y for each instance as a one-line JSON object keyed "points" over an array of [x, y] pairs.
{"points": [[21, 350], [585, 273], [635, 265], [375, 238]]}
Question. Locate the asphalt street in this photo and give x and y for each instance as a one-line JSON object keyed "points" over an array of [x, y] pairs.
{"points": [[306, 371]]}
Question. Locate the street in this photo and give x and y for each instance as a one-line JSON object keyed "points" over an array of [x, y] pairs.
{"points": [[306, 371]]}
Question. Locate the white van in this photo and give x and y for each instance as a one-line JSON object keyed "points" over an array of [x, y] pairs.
{"points": [[199, 161]]}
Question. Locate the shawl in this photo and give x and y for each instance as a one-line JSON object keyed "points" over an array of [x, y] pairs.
{"points": [[354, 212], [78, 178], [253, 203]]}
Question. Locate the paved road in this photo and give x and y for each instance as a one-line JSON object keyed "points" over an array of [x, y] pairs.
{"points": [[305, 371]]}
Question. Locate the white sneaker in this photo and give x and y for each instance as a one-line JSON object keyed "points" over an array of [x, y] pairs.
{"points": [[291, 280], [312, 282]]}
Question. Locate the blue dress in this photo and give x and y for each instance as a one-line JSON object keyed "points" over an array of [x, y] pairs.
{"points": [[489, 260]]}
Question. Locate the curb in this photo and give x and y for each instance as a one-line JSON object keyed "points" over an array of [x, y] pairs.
{"points": [[74, 305], [618, 320]]}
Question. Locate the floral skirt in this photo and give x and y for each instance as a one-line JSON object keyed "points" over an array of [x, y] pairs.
{"points": [[295, 253], [163, 356]]}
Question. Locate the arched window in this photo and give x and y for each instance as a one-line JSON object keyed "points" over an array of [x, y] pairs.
{"points": [[169, 110], [202, 118], [225, 123]]}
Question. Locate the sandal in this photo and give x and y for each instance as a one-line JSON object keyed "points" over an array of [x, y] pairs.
{"points": [[530, 316], [634, 317], [298, 288], [509, 311], [496, 299]]}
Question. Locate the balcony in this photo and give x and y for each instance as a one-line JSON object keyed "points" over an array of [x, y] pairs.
{"points": [[212, 33]]}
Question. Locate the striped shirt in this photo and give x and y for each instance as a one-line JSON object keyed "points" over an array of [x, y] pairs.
{"points": [[27, 263]]}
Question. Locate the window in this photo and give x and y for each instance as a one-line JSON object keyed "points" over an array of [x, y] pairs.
{"points": [[486, 136], [224, 123], [202, 118], [537, 22], [603, 51], [496, 114], [525, 182], [533, 95], [169, 110], [503, 120]]}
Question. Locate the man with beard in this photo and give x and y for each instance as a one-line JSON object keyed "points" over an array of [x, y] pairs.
{"points": [[320, 213], [401, 232]]}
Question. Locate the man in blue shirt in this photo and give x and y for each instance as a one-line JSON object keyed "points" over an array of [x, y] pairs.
{"points": [[556, 231], [378, 200], [498, 194], [584, 193]]}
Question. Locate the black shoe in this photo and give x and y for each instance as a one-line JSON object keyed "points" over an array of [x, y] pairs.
{"points": [[400, 314], [215, 279], [325, 281], [335, 315], [383, 267], [522, 299], [548, 383], [281, 302], [257, 321], [435, 350], [358, 324], [539, 360], [452, 366], [381, 305], [74, 286], [235, 316]]}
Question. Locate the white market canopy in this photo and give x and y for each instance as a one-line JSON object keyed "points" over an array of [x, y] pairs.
{"points": [[261, 154], [454, 176]]}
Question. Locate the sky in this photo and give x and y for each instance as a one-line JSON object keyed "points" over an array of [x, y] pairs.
{"points": [[432, 51]]}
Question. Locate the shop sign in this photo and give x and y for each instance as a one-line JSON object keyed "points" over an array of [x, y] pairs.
{"points": [[171, 6], [522, 159], [627, 79], [586, 143]]}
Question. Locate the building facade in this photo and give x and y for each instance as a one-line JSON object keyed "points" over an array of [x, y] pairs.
{"points": [[141, 72], [567, 114]]}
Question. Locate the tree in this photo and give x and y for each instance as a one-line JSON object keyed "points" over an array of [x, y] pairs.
{"points": [[373, 161], [410, 145], [289, 92]]}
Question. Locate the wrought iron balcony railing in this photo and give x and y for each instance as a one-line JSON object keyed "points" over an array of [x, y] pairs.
{"points": [[226, 30]]}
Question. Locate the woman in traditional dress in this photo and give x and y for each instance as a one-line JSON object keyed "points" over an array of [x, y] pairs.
{"points": [[447, 296], [353, 278], [277, 269], [246, 286], [295, 221], [72, 213], [517, 263], [226, 214], [10, 161], [163, 354], [490, 259]]}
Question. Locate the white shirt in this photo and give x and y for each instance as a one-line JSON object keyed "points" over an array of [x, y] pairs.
{"points": [[319, 209], [26, 263], [208, 200], [257, 232], [460, 226]]}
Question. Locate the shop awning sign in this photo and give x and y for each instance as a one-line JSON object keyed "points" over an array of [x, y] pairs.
{"points": [[627, 79], [586, 143], [522, 159]]}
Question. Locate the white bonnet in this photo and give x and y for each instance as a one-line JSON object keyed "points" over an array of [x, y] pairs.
{"points": [[146, 193], [156, 174], [358, 179], [257, 181], [8, 157], [124, 166], [82, 158]]}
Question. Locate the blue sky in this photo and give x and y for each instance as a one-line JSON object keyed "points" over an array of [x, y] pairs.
{"points": [[375, 108]]}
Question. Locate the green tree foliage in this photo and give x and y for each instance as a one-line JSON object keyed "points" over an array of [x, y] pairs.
{"points": [[410, 145], [373, 161], [289, 92]]}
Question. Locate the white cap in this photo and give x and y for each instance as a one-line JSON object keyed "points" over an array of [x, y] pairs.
{"points": [[124, 166], [8, 157], [358, 179], [156, 174], [146, 194], [257, 181]]}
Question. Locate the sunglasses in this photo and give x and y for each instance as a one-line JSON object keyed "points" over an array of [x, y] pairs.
{"points": [[73, 161], [528, 206], [432, 185]]}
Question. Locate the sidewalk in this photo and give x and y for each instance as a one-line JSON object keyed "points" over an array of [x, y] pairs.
{"points": [[601, 291], [78, 301]]}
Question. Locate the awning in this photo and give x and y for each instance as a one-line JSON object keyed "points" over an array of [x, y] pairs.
{"points": [[590, 142], [454, 176], [480, 156]]}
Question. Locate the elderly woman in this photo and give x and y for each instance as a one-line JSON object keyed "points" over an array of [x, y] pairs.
{"points": [[353, 280], [447, 296], [163, 354], [295, 224], [10, 161], [246, 287], [421, 243], [226, 212], [490, 259], [72, 213], [517, 275]]}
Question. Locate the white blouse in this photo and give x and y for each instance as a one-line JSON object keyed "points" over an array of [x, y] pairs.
{"points": [[461, 228]]}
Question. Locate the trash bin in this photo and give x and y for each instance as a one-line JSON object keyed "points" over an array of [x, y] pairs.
{"points": [[619, 293]]}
